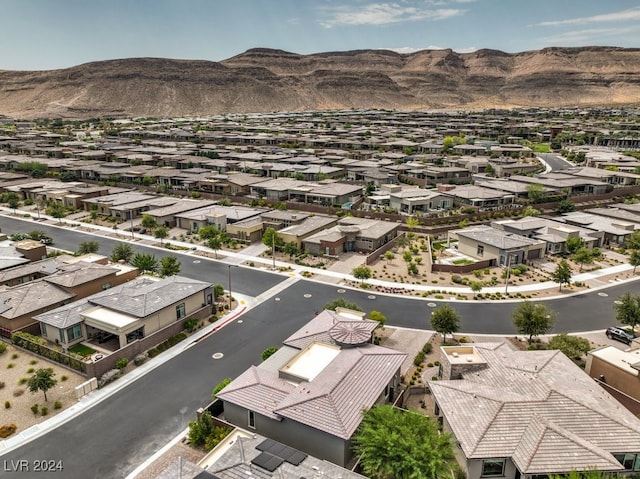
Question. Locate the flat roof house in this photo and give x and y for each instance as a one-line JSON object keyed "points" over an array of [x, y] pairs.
{"points": [[529, 414], [312, 393]]}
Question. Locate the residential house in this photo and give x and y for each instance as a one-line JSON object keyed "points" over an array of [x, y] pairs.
{"points": [[128, 311], [529, 414], [217, 215], [70, 281], [615, 231], [311, 225], [618, 372], [418, 200], [477, 196], [312, 393], [500, 247], [351, 234], [168, 215]]}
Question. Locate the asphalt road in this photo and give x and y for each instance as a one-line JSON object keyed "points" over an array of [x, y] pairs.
{"points": [[556, 162], [247, 281], [113, 438]]}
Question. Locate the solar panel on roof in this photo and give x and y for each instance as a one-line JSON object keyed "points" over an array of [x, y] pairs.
{"points": [[267, 461], [288, 454]]}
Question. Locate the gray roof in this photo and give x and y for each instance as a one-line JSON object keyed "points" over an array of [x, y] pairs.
{"points": [[320, 329], [529, 405], [142, 298], [75, 274], [497, 238], [29, 297]]}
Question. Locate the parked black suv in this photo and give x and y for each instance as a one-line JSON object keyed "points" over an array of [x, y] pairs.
{"points": [[619, 334]]}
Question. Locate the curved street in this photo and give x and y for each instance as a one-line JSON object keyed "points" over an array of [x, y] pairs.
{"points": [[111, 439]]}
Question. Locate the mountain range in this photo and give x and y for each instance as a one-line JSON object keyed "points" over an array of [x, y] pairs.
{"points": [[265, 80]]}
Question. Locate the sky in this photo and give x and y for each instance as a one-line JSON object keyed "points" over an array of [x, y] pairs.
{"points": [[51, 34]]}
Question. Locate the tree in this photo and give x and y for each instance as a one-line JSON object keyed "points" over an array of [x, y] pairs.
{"points": [[628, 309], [573, 244], [535, 192], [533, 319], [633, 241], [290, 249], [88, 247], [218, 290], [445, 320], [388, 255], [148, 222], [42, 380], [565, 206], [402, 444], [122, 252], [378, 316], [13, 200], [562, 274], [634, 259], [145, 262], [161, 232], [57, 210], [530, 211], [270, 238], [208, 232], [362, 273], [403, 241], [169, 266], [342, 303], [574, 347], [407, 256], [476, 286], [412, 222], [583, 256], [215, 243]]}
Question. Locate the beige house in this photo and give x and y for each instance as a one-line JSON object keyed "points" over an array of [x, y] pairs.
{"points": [[529, 414], [617, 369], [129, 312]]}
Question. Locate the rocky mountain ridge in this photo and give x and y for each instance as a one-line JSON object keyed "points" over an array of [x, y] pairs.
{"points": [[265, 80]]}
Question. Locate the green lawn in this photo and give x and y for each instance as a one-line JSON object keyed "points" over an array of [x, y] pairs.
{"points": [[462, 261], [541, 147], [82, 350]]}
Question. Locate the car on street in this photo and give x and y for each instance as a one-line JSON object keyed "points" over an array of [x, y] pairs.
{"points": [[619, 334]]}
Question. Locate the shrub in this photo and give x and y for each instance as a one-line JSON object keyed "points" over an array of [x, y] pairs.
{"points": [[139, 359], [15, 356], [191, 324], [221, 385], [44, 410], [57, 405], [213, 318], [64, 377], [429, 365], [7, 429], [434, 378], [22, 381], [7, 405], [10, 366], [153, 352], [1, 384], [3, 347], [34, 409], [457, 279], [427, 348], [418, 359], [122, 363], [108, 377], [33, 361], [268, 353], [18, 392], [436, 363]]}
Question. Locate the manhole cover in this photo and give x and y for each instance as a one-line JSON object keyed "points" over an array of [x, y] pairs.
{"points": [[277, 299], [371, 296], [341, 291], [307, 295], [217, 355], [604, 295], [617, 302], [196, 261], [432, 305], [239, 321]]}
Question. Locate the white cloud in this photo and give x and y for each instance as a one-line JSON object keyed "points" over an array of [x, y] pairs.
{"points": [[591, 36], [385, 14], [631, 14]]}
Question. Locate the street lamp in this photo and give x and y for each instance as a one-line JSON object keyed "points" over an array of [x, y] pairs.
{"points": [[506, 284], [229, 266]]}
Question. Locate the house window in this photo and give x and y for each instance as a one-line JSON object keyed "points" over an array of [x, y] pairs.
{"points": [[180, 311], [493, 468], [631, 462], [43, 329], [74, 332], [61, 332], [480, 250], [252, 420]]}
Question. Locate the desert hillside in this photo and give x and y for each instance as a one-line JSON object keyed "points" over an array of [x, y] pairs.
{"points": [[263, 80]]}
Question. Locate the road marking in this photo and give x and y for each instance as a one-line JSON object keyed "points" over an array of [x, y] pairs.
{"points": [[217, 355], [307, 295]]}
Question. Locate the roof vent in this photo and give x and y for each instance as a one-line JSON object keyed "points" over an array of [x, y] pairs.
{"points": [[454, 354], [469, 359]]}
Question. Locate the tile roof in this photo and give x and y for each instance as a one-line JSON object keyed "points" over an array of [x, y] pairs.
{"points": [[320, 329], [538, 408], [75, 274], [144, 298], [29, 297]]}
